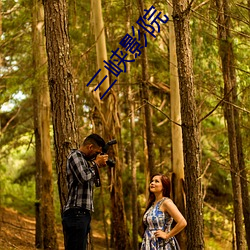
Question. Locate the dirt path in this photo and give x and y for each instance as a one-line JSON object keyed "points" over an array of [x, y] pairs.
{"points": [[18, 232]]}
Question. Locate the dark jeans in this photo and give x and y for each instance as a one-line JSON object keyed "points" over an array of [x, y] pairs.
{"points": [[76, 226]]}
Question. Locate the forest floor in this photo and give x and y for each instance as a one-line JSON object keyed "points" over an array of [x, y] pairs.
{"points": [[18, 232]]}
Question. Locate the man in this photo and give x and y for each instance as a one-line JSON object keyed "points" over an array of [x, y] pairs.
{"points": [[82, 167]]}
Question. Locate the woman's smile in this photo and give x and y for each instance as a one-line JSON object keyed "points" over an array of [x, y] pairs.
{"points": [[155, 184]]}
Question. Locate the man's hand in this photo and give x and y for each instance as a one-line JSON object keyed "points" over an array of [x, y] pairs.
{"points": [[101, 160]]}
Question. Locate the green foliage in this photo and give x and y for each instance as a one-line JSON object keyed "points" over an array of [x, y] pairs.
{"points": [[19, 197], [18, 188], [218, 228]]}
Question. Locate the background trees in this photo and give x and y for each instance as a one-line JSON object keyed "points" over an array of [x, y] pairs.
{"points": [[16, 117], [45, 213]]}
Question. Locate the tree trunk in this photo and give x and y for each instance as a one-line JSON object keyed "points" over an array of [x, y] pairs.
{"points": [[248, 3], [231, 116], [1, 62], [128, 7], [61, 87], [176, 132], [145, 98], [181, 16], [101, 50], [105, 226], [108, 112], [46, 237], [133, 173], [243, 179], [1, 32], [39, 228]]}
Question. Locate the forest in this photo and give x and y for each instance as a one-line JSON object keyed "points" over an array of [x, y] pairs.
{"points": [[168, 80]]}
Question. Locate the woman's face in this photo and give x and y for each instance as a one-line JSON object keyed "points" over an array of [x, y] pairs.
{"points": [[156, 184]]}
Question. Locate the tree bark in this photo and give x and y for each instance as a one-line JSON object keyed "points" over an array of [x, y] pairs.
{"points": [[248, 3], [61, 87], [128, 8], [133, 175], [105, 226], [231, 116], [1, 31], [243, 178], [46, 236], [176, 131], [181, 16], [1, 62], [108, 112], [145, 98]]}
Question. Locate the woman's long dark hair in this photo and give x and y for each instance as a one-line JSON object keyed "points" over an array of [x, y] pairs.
{"points": [[166, 185], [166, 189]]}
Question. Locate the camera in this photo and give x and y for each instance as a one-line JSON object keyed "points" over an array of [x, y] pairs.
{"points": [[110, 162]]}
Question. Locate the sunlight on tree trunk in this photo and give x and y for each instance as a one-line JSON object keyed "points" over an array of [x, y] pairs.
{"points": [[131, 101], [108, 112], [176, 132], [101, 50]]}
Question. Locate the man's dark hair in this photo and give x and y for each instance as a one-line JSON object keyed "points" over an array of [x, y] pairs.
{"points": [[94, 139]]}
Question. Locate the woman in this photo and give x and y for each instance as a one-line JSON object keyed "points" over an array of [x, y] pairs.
{"points": [[159, 215]]}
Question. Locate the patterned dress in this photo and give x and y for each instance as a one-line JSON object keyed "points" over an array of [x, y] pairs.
{"points": [[155, 220]]}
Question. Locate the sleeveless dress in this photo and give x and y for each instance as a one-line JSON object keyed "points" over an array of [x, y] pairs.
{"points": [[155, 220]]}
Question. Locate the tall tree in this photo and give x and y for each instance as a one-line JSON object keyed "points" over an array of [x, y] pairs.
{"points": [[231, 115], [128, 8], [1, 61], [108, 112], [61, 87], [46, 237], [176, 132], [1, 30], [133, 173], [181, 16], [243, 178], [145, 98]]}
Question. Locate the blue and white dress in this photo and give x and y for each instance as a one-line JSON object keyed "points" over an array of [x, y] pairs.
{"points": [[155, 220]]}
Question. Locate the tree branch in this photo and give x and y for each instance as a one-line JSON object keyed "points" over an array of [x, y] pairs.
{"points": [[162, 112], [218, 104], [242, 6], [247, 72], [200, 5], [10, 120]]}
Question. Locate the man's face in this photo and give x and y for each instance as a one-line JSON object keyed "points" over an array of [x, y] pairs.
{"points": [[93, 151]]}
